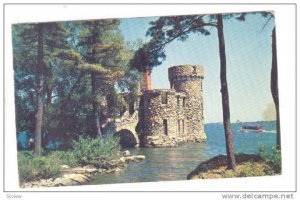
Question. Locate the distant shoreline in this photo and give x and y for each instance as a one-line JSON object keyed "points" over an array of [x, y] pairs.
{"points": [[240, 122]]}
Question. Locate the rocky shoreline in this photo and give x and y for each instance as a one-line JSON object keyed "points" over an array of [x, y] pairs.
{"points": [[170, 141], [82, 174]]}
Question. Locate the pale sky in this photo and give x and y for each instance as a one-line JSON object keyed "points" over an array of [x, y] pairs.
{"points": [[248, 52]]}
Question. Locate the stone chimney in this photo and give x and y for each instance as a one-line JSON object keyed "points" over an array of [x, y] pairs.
{"points": [[146, 82]]}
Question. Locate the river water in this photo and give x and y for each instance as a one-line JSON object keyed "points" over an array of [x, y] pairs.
{"points": [[165, 164]]}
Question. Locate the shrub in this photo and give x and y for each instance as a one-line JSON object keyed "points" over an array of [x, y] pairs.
{"points": [[251, 169], [49, 164], [66, 157], [33, 168], [272, 158], [86, 148]]}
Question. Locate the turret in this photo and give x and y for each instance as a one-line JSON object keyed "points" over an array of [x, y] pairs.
{"points": [[188, 79]]}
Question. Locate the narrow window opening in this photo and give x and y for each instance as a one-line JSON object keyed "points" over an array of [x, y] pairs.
{"points": [[183, 127], [183, 102], [164, 98], [178, 101], [194, 70], [172, 86], [131, 107], [165, 124], [178, 126]]}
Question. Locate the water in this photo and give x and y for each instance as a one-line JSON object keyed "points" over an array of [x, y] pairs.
{"points": [[165, 164]]}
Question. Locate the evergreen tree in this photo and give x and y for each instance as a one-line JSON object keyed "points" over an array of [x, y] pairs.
{"points": [[104, 55], [65, 96], [39, 44]]}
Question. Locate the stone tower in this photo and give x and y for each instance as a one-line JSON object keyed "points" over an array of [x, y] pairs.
{"points": [[188, 79]]}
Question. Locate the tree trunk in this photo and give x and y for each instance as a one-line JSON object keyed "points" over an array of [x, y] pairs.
{"points": [[231, 164], [274, 86], [39, 90], [96, 106], [49, 94]]}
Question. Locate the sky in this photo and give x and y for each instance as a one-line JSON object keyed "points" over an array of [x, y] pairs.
{"points": [[248, 54]]}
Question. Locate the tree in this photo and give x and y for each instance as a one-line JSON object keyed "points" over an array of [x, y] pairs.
{"points": [[40, 42], [39, 89], [103, 52], [274, 87], [225, 96], [167, 29], [67, 103], [24, 82]]}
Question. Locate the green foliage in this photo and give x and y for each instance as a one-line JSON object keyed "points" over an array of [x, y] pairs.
{"points": [[49, 164], [86, 148], [272, 158], [33, 168], [66, 157], [246, 170], [72, 52], [165, 30], [105, 58]]}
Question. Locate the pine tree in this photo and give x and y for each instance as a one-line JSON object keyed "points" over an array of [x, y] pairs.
{"points": [[40, 43], [103, 52], [67, 103]]}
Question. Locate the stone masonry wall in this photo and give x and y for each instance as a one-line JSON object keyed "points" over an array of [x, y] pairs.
{"points": [[168, 117], [161, 116], [188, 79]]}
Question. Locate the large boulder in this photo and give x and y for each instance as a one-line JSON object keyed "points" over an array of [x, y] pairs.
{"points": [[63, 182]]}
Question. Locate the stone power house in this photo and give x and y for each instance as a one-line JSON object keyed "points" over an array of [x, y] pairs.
{"points": [[168, 117]]}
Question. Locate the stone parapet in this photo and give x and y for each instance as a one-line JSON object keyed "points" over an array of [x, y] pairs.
{"points": [[186, 72]]}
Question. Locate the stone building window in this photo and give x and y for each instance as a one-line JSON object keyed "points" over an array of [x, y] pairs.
{"points": [[183, 126], [178, 101], [172, 86], [183, 102], [165, 125], [178, 126], [194, 70], [164, 98], [131, 107]]}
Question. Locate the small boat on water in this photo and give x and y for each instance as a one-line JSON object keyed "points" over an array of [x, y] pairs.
{"points": [[253, 128]]}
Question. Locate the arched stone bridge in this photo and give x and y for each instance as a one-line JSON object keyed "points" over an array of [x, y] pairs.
{"points": [[125, 128]]}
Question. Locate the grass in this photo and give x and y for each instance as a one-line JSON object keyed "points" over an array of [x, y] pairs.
{"points": [[48, 165], [32, 168]]}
